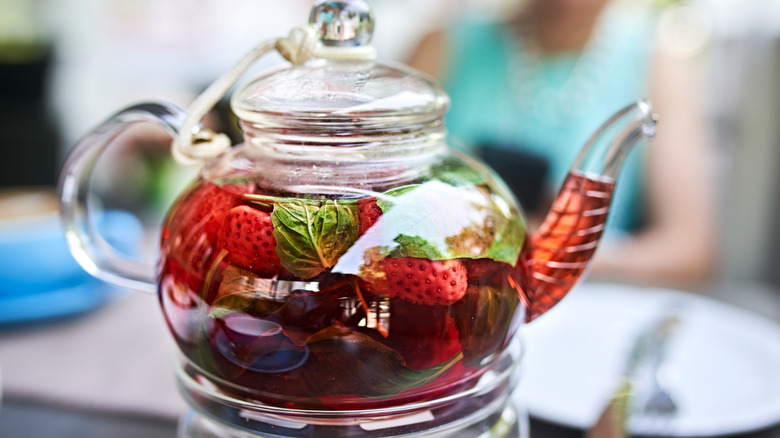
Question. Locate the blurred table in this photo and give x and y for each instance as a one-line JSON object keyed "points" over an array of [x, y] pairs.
{"points": [[117, 358], [33, 419], [110, 373]]}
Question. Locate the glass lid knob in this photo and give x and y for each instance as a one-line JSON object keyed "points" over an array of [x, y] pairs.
{"points": [[342, 23]]}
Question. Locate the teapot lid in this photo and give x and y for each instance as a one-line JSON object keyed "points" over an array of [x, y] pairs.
{"points": [[333, 94]]}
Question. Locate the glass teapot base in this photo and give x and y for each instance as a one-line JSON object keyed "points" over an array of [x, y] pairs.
{"points": [[486, 410], [509, 422]]}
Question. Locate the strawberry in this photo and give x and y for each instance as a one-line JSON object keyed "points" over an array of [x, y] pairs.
{"points": [[208, 206], [368, 213], [247, 235], [420, 281], [197, 220]]}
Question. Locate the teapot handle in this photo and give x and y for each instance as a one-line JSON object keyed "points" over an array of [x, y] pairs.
{"points": [[87, 245]]}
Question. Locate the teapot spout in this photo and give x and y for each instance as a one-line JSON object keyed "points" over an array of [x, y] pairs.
{"points": [[562, 248]]}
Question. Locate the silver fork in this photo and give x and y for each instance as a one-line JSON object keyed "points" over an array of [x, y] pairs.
{"points": [[661, 401], [642, 402], [659, 408]]}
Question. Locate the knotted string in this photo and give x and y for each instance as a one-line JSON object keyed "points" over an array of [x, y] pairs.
{"points": [[195, 144]]}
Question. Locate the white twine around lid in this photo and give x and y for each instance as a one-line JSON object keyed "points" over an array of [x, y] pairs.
{"points": [[195, 144]]}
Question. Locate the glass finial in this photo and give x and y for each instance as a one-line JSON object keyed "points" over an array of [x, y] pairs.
{"points": [[343, 23]]}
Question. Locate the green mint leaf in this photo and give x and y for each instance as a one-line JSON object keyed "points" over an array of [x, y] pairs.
{"points": [[413, 246], [497, 237], [385, 202], [444, 222], [508, 241], [312, 236]]}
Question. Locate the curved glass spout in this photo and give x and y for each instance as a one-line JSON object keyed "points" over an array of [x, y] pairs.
{"points": [[563, 246], [603, 154]]}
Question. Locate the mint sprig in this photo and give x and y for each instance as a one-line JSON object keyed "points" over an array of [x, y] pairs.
{"points": [[441, 221], [311, 236], [414, 246]]}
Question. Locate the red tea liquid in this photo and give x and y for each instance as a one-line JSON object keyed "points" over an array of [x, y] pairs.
{"points": [[323, 342], [565, 243]]}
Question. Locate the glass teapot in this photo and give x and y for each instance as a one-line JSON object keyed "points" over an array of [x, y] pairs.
{"points": [[343, 261]]}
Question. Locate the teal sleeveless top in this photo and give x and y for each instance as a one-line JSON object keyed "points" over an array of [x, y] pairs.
{"points": [[502, 95]]}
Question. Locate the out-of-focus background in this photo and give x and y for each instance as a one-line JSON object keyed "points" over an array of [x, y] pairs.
{"points": [[65, 66]]}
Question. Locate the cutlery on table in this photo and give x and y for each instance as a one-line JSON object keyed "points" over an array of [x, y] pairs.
{"points": [[642, 393]]}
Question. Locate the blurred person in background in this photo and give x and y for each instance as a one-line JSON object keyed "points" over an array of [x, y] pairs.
{"points": [[529, 89]]}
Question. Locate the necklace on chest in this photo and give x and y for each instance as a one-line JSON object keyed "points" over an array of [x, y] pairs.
{"points": [[556, 89]]}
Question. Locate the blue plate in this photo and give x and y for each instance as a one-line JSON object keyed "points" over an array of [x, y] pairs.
{"points": [[37, 306], [40, 279]]}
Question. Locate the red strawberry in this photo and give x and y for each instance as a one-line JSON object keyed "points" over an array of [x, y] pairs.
{"points": [[197, 220], [247, 235], [208, 206], [420, 281], [368, 213]]}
